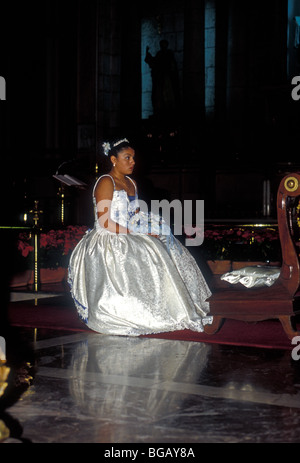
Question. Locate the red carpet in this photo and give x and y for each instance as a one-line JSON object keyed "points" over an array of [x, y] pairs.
{"points": [[58, 313]]}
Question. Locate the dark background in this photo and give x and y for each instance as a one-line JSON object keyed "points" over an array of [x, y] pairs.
{"points": [[73, 79]]}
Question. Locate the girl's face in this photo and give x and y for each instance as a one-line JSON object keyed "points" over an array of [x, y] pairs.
{"points": [[125, 162]]}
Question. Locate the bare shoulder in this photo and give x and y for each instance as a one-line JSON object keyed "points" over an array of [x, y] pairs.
{"points": [[104, 185]]}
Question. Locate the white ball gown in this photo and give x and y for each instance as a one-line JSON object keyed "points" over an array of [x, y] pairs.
{"points": [[136, 284]]}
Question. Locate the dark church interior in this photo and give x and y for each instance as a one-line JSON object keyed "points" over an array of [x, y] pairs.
{"points": [[227, 133]]}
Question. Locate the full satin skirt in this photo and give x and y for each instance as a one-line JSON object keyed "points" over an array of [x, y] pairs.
{"points": [[134, 285]]}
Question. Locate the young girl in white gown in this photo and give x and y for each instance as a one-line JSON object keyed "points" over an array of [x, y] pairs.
{"points": [[127, 277]]}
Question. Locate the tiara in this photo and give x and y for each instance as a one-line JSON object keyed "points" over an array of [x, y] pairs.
{"points": [[120, 141]]}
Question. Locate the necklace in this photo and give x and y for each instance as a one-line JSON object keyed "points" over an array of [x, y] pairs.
{"points": [[124, 183]]}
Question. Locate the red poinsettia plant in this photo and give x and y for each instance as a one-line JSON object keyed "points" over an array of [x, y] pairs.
{"points": [[239, 243], [55, 246]]}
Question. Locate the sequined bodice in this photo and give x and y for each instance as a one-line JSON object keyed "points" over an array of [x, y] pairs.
{"points": [[123, 207]]}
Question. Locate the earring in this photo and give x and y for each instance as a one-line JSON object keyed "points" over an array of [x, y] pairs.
{"points": [[114, 165]]}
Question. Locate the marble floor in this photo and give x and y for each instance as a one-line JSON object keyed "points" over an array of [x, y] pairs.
{"points": [[93, 388]]}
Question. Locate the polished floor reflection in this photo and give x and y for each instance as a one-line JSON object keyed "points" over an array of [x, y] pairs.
{"points": [[91, 388]]}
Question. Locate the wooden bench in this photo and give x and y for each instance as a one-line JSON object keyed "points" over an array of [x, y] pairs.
{"points": [[282, 299]]}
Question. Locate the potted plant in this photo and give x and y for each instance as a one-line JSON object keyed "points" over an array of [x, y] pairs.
{"points": [[55, 248], [227, 248]]}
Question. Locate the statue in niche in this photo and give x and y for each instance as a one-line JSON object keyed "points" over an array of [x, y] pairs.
{"points": [[165, 82]]}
